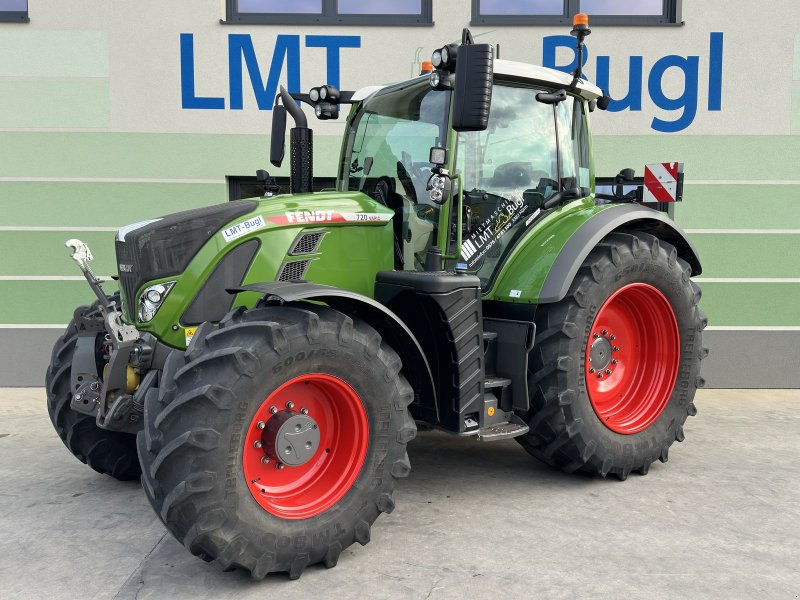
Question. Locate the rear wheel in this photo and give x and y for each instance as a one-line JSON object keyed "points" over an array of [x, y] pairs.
{"points": [[616, 364], [108, 452], [276, 438]]}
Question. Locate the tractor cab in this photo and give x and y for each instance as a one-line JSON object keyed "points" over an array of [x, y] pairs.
{"points": [[534, 147]]}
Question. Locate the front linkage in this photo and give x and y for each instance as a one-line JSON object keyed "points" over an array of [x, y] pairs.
{"points": [[106, 376]]}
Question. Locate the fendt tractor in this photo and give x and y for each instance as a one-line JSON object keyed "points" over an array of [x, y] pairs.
{"points": [[266, 361]]}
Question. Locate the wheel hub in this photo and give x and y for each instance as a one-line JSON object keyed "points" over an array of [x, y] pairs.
{"points": [[290, 438], [600, 353]]}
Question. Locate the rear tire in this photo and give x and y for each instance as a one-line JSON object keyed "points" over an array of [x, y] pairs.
{"points": [[198, 441], [579, 421], [108, 452]]}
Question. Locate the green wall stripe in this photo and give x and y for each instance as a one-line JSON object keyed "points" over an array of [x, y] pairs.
{"points": [[145, 155], [726, 157], [725, 255], [54, 103], [44, 253], [211, 156], [725, 304], [103, 204], [29, 53], [722, 255], [44, 301], [739, 207], [762, 304], [100, 204]]}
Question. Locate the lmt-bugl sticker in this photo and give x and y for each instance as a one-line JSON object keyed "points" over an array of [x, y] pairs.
{"points": [[507, 213]]}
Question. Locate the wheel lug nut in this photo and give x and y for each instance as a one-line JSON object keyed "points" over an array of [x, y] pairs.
{"points": [[596, 335], [290, 405], [257, 444], [279, 466], [605, 332], [304, 411], [261, 425], [273, 410], [608, 371], [599, 375], [265, 460], [616, 348], [612, 338], [614, 361], [591, 370]]}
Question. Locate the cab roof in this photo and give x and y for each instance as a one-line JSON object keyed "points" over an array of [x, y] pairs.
{"points": [[518, 70], [537, 74]]}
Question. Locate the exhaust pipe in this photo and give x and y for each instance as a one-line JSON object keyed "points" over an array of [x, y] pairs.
{"points": [[301, 152]]}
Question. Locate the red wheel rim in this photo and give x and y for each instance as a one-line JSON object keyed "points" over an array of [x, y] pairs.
{"points": [[300, 492], [632, 358]]}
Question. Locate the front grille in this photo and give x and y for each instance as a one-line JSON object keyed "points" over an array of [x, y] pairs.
{"points": [[306, 243], [128, 279], [294, 271], [164, 247]]}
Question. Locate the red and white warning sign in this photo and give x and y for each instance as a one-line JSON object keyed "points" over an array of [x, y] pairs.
{"points": [[663, 182]]}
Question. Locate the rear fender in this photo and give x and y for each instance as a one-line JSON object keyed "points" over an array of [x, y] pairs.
{"points": [[543, 265]]}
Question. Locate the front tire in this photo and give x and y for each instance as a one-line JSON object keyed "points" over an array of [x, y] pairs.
{"points": [[213, 477], [615, 366], [109, 452]]}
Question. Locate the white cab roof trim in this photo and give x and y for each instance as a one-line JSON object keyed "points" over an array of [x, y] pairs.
{"points": [[534, 73], [544, 75], [366, 92]]}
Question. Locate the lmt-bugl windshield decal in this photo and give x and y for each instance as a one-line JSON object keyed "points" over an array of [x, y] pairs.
{"points": [[503, 218]]}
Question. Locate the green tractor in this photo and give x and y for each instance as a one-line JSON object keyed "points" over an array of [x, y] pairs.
{"points": [[266, 361]]}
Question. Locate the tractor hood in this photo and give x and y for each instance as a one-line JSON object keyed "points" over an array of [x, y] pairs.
{"points": [[186, 247]]}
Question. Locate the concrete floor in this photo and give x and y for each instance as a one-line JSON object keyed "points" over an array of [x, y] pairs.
{"points": [[720, 520]]}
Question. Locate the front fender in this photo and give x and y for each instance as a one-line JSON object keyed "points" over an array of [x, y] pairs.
{"points": [[544, 263], [391, 328]]}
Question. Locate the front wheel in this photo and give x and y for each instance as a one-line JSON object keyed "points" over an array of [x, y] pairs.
{"points": [[616, 364], [275, 440]]}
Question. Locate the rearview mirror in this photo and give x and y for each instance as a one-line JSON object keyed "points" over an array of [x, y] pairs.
{"points": [[473, 87], [277, 145]]}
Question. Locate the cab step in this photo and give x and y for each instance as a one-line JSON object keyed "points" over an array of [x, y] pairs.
{"points": [[503, 431], [496, 382]]}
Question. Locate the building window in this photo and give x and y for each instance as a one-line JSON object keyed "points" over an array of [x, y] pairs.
{"points": [[331, 12], [560, 12], [14, 11]]}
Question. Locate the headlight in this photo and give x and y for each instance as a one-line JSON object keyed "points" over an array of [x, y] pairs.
{"points": [[445, 54], [436, 59], [323, 92], [435, 79], [314, 94], [151, 300]]}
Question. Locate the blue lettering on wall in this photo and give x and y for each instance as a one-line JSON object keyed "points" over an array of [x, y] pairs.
{"points": [[688, 66], [242, 56], [189, 98], [333, 43], [287, 49]]}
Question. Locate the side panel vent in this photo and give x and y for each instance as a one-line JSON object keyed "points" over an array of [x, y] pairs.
{"points": [[306, 243], [293, 271]]}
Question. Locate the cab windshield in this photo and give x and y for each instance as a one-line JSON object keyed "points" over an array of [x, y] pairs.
{"points": [[529, 152], [387, 157]]}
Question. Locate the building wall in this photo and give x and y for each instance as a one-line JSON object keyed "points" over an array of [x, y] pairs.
{"points": [[97, 130]]}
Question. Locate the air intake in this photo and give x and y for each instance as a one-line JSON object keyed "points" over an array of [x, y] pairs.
{"points": [[306, 243], [294, 271]]}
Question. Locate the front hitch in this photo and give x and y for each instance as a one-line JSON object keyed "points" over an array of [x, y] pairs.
{"points": [[110, 392], [82, 257]]}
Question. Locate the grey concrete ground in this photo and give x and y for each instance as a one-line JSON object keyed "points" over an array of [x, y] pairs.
{"points": [[474, 520]]}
